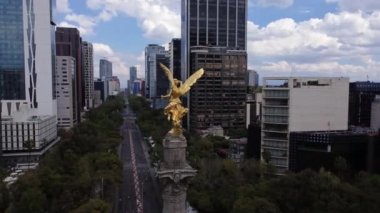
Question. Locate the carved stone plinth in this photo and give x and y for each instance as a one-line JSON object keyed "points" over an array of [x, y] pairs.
{"points": [[174, 174]]}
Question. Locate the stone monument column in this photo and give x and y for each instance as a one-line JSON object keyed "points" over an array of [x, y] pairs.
{"points": [[174, 174]]}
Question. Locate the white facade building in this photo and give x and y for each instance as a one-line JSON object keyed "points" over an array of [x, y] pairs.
{"points": [[88, 74], [113, 85], [28, 39], [300, 104], [65, 84]]}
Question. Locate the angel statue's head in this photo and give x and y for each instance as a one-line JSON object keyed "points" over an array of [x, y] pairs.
{"points": [[177, 82]]}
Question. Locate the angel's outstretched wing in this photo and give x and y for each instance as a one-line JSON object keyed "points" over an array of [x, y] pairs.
{"points": [[190, 81], [169, 74]]}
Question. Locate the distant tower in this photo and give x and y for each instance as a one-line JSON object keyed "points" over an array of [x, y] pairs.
{"points": [[132, 77], [105, 69], [151, 52], [88, 73]]}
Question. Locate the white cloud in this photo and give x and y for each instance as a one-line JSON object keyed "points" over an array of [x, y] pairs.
{"points": [[159, 19], [272, 3], [343, 44], [84, 23], [63, 6], [355, 5]]}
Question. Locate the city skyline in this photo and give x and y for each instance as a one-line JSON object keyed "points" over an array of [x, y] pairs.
{"points": [[285, 37]]}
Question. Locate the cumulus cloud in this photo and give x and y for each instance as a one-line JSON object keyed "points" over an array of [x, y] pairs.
{"points": [[159, 19], [63, 6], [343, 44], [85, 24], [272, 3], [352, 5]]}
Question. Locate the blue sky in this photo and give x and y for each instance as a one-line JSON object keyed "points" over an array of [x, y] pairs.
{"points": [[285, 37]]}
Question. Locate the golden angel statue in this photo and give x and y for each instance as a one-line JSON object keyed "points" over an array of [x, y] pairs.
{"points": [[174, 110]]}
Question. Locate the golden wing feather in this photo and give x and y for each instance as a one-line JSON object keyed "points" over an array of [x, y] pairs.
{"points": [[190, 81], [168, 73]]}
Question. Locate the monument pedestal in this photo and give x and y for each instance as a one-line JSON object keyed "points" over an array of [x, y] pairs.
{"points": [[174, 174]]}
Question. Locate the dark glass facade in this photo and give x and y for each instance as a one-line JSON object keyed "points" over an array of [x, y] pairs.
{"points": [[12, 67], [215, 23], [314, 150], [362, 95], [162, 85], [175, 58]]}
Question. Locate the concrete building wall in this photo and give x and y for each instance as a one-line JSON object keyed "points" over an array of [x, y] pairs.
{"points": [[319, 107], [65, 81], [37, 130], [297, 105]]}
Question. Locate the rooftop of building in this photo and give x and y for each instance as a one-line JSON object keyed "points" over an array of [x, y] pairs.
{"points": [[354, 130]]}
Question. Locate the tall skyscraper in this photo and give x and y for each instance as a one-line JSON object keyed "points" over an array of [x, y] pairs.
{"points": [[133, 73], [253, 78], [65, 84], [27, 80], [218, 98], [88, 74], [132, 77], [175, 57], [151, 52], [214, 38], [105, 69], [69, 43]]}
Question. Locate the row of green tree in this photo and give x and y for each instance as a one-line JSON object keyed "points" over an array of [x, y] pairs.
{"points": [[152, 123], [80, 174], [220, 186]]}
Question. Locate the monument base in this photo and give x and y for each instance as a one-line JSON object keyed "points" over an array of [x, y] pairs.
{"points": [[174, 174]]}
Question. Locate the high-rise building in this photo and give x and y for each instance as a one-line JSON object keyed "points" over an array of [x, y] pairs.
{"points": [[215, 31], [362, 95], [220, 23], [88, 74], [65, 84], [101, 86], [175, 57], [253, 78], [132, 77], [299, 105], [151, 52], [69, 43], [105, 69], [28, 123], [218, 98], [113, 85]]}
